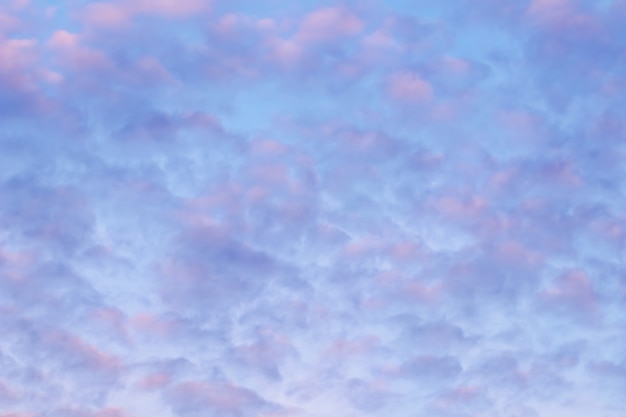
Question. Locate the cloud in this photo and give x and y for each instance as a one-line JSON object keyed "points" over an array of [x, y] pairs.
{"points": [[237, 209], [118, 15], [408, 86], [195, 398], [328, 24]]}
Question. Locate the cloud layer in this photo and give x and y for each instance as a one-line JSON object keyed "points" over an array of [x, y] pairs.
{"points": [[217, 208]]}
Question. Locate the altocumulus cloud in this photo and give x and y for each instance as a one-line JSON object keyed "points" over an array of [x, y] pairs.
{"points": [[305, 209]]}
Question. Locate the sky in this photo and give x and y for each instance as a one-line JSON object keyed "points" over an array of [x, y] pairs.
{"points": [[316, 208]]}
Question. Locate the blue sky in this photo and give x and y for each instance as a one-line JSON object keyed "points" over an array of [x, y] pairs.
{"points": [[315, 208]]}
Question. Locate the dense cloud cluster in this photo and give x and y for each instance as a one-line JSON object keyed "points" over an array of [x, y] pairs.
{"points": [[312, 208]]}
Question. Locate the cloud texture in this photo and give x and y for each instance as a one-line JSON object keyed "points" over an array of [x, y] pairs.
{"points": [[314, 208]]}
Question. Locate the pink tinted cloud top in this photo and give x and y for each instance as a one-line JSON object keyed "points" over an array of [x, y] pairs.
{"points": [[314, 208]]}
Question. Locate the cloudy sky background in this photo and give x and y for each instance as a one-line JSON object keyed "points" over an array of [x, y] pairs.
{"points": [[312, 208]]}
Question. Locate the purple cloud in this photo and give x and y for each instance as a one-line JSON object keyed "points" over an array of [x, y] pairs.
{"points": [[318, 208]]}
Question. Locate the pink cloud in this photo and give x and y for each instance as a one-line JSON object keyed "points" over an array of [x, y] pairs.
{"points": [[265, 353], [18, 414], [221, 197], [8, 22], [409, 87], [610, 229], [8, 392], [572, 291], [232, 25], [359, 231], [109, 412], [454, 66], [271, 174], [549, 8], [461, 209], [516, 252], [417, 290], [113, 320], [77, 350], [268, 147], [15, 264], [328, 24], [562, 15], [17, 57], [218, 209], [457, 397], [380, 40], [301, 50], [291, 412], [19, 4], [64, 40], [368, 143], [119, 14], [70, 50], [228, 24], [152, 325], [345, 348], [108, 15], [523, 130], [564, 172], [286, 53], [399, 287], [407, 252], [151, 69], [220, 397], [527, 124], [362, 246], [154, 381]]}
